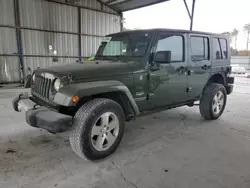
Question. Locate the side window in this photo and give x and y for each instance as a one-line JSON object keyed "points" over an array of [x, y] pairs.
{"points": [[172, 43], [216, 49], [199, 48], [223, 44]]}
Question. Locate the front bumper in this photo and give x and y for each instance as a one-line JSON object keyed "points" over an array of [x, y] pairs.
{"points": [[41, 117]]}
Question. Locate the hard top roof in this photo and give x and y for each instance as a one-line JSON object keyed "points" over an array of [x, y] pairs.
{"points": [[169, 30]]}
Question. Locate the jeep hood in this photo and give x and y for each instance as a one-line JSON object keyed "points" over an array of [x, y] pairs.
{"points": [[91, 69]]}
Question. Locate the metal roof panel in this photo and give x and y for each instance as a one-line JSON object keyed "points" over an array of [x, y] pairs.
{"points": [[126, 5]]}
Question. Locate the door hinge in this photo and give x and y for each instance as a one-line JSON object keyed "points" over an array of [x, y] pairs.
{"points": [[188, 89], [189, 72]]}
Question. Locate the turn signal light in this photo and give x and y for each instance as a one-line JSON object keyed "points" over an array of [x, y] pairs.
{"points": [[75, 99]]}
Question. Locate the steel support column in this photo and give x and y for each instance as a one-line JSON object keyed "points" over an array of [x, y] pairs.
{"points": [[191, 15], [19, 36], [79, 32]]}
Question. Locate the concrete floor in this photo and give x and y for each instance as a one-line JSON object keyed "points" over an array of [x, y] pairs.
{"points": [[173, 149]]}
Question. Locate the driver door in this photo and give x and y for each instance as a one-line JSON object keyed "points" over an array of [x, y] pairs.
{"points": [[168, 82]]}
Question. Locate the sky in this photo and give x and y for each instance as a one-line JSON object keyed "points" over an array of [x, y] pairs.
{"points": [[210, 15]]}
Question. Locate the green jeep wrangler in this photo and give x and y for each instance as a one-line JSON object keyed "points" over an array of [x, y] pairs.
{"points": [[133, 73]]}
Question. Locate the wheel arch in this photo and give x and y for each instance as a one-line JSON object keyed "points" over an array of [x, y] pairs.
{"points": [[118, 96], [218, 78], [113, 90]]}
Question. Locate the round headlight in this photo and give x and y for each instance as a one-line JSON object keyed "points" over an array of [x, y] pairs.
{"points": [[57, 84], [33, 77]]}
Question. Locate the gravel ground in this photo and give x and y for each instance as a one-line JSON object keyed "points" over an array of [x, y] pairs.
{"points": [[175, 149]]}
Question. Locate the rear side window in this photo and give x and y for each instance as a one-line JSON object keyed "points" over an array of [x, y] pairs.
{"points": [[216, 49], [199, 48], [220, 49], [223, 44]]}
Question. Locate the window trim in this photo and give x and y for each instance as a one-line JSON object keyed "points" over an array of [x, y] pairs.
{"points": [[214, 55], [208, 47], [221, 48], [183, 44], [218, 39], [221, 55]]}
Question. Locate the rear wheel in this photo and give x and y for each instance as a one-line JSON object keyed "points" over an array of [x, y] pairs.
{"points": [[97, 129], [213, 101]]}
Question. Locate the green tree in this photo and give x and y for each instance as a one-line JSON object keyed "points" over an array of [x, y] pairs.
{"points": [[234, 34], [247, 30], [229, 35], [124, 28]]}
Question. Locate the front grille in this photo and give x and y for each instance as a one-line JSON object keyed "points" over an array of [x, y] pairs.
{"points": [[42, 88]]}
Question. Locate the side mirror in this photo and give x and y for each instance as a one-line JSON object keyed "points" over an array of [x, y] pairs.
{"points": [[163, 57]]}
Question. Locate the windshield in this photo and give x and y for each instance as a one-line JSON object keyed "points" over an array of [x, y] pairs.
{"points": [[128, 44]]}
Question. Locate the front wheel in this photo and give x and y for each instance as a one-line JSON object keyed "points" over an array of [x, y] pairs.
{"points": [[213, 101], [97, 129]]}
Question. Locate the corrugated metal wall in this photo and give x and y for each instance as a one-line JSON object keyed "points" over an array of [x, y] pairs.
{"points": [[9, 63], [44, 62], [48, 16], [8, 41], [39, 42], [7, 12], [9, 69], [44, 30]]}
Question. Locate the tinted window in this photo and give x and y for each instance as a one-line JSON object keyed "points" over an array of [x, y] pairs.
{"points": [[172, 43], [216, 49], [199, 48], [223, 44]]}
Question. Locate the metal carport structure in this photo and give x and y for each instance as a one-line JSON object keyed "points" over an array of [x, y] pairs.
{"points": [[40, 33], [127, 5]]}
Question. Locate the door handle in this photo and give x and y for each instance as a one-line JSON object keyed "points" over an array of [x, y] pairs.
{"points": [[205, 67], [189, 72], [182, 70]]}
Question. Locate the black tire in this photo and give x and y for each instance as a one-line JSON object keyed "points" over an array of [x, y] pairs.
{"points": [[206, 101], [84, 120]]}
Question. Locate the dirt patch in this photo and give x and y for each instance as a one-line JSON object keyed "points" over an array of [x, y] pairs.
{"points": [[40, 140], [11, 151]]}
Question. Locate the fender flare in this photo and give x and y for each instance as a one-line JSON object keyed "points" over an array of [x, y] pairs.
{"points": [[217, 73], [213, 74], [64, 96]]}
